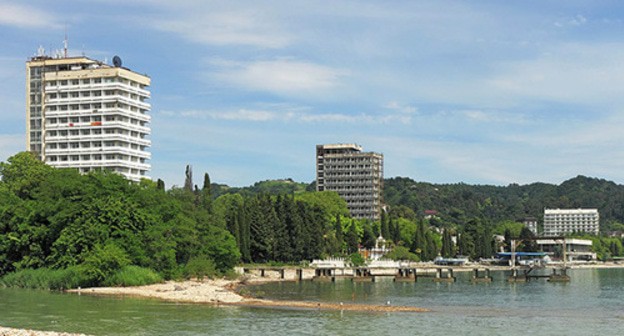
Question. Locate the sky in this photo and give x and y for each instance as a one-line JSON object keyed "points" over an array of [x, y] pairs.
{"points": [[480, 92]]}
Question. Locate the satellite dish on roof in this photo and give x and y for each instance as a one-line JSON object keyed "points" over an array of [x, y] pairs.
{"points": [[117, 61]]}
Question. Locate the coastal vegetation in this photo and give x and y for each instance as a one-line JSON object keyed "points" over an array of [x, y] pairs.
{"points": [[63, 229]]}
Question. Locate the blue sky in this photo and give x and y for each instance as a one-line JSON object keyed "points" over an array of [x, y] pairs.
{"points": [[482, 92]]}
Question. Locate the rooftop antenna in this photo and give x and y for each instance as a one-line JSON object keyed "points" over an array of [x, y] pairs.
{"points": [[65, 43]]}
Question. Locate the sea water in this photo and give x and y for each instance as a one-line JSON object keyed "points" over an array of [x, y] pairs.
{"points": [[591, 304]]}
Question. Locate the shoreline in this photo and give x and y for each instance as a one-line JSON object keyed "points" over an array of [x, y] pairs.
{"points": [[5, 331], [222, 292]]}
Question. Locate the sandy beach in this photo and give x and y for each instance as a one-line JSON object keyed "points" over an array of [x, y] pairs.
{"points": [[224, 292], [221, 292]]}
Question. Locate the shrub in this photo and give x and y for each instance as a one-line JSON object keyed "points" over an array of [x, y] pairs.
{"points": [[402, 253], [356, 259], [133, 276], [45, 278], [103, 262], [200, 267]]}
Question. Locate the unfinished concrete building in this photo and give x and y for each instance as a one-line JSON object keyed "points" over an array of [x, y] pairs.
{"points": [[355, 175]]}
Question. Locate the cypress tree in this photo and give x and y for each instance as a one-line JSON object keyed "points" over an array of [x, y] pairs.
{"points": [[385, 230], [206, 194], [508, 238], [445, 244], [300, 237], [243, 223], [352, 239], [261, 218], [368, 236], [160, 185], [188, 179], [396, 231], [424, 241], [282, 229], [431, 247], [339, 235], [316, 232]]}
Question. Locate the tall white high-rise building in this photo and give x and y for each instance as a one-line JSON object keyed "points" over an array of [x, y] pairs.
{"points": [[84, 114], [355, 175], [558, 222]]}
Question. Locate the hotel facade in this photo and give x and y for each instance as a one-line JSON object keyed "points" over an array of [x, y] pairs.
{"points": [[558, 222], [355, 175], [84, 114]]}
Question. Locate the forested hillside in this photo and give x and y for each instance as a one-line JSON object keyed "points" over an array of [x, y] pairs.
{"points": [[458, 203]]}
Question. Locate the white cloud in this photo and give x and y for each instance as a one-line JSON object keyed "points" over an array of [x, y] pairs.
{"points": [[216, 26], [300, 115], [407, 109], [587, 73], [22, 16], [281, 77], [491, 116], [575, 21], [238, 115]]}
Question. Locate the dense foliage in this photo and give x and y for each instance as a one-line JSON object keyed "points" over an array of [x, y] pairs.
{"points": [[457, 204], [61, 229], [98, 224]]}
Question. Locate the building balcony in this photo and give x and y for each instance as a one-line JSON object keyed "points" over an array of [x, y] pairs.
{"points": [[100, 164], [98, 87], [102, 125], [112, 111], [99, 151], [98, 137]]}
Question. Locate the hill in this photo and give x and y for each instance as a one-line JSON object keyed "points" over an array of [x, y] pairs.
{"points": [[457, 203]]}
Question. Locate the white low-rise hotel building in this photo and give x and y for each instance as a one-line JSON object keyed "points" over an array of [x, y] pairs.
{"points": [[85, 114], [558, 222]]}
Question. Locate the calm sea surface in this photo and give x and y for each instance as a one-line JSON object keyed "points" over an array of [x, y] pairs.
{"points": [[592, 304]]}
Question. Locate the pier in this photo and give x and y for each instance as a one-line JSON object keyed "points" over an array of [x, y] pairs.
{"points": [[442, 276], [362, 275], [518, 274], [324, 274], [481, 275]]}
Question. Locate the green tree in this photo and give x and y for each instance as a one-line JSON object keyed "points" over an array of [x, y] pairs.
{"points": [[368, 236], [528, 240], [23, 172], [352, 238], [338, 234], [401, 253], [448, 247], [206, 194], [385, 227]]}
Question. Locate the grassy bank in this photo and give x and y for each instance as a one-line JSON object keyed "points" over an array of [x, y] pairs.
{"points": [[74, 277]]}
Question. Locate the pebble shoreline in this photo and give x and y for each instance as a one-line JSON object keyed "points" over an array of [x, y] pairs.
{"points": [[27, 332]]}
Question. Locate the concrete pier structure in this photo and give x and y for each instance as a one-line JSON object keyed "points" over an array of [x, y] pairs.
{"points": [[481, 275]]}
